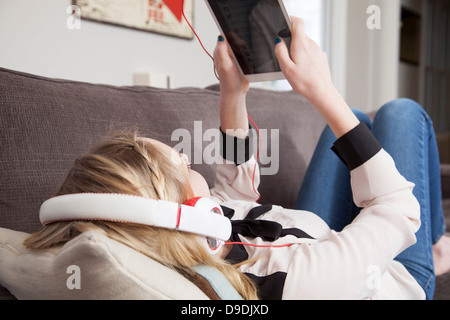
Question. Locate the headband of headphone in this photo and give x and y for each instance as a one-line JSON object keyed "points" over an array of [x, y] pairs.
{"points": [[195, 217]]}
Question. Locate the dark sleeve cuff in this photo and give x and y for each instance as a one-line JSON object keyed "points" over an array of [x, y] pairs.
{"points": [[235, 149], [357, 146]]}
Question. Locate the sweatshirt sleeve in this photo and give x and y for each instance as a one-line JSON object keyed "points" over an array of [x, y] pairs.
{"points": [[340, 267], [237, 175]]}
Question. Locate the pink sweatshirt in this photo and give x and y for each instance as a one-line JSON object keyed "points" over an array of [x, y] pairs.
{"points": [[356, 263]]}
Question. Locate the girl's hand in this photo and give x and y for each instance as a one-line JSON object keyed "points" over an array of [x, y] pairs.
{"points": [[308, 72], [232, 82], [306, 68]]}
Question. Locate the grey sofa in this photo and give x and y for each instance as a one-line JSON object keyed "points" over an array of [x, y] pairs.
{"points": [[46, 123]]}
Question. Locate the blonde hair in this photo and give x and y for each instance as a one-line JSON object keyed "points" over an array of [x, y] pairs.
{"points": [[123, 163]]}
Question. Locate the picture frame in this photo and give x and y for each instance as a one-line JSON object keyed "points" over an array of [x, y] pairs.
{"points": [[157, 16]]}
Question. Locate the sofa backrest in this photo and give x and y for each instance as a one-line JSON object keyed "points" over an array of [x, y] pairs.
{"points": [[45, 124]]}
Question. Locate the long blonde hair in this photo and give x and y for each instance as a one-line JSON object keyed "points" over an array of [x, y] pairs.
{"points": [[123, 163]]}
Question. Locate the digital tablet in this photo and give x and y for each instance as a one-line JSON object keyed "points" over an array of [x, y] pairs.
{"points": [[251, 27]]}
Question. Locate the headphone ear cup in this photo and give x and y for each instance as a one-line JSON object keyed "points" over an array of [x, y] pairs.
{"points": [[205, 204]]}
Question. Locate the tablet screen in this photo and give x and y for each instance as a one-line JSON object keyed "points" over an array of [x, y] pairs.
{"points": [[251, 27]]}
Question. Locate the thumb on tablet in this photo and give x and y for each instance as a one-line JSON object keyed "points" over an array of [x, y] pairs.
{"points": [[282, 54]]}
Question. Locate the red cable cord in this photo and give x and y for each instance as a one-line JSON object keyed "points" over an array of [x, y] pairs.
{"points": [[198, 38], [257, 157], [192, 28], [261, 245]]}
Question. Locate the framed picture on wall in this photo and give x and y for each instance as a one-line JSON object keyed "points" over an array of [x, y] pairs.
{"points": [[159, 16]]}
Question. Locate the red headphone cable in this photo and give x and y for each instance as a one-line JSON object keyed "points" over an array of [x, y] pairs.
{"points": [[198, 38], [262, 245], [257, 157]]}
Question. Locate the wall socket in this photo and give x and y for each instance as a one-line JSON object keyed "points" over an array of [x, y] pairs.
{"points": [[153, 79]]}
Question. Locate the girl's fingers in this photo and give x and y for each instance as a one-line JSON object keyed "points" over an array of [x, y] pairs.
{"points": [[282, 54]]}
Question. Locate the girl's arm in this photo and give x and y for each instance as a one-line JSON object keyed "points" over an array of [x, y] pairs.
{"points": [[233, 91], [238, 180], [308, 72], [390, 215]]}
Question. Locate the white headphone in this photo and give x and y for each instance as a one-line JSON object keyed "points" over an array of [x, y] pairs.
{"points": [[194, 216]]}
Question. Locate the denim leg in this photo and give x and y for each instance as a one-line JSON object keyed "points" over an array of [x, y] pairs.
{"points": [[406, 132], [326, 189]]}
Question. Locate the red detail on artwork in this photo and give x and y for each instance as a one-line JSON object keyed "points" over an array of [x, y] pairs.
{"points": [[176, 6]]}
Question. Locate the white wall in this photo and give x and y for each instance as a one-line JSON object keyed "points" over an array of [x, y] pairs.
{"points": [[337, 55], [365, 63], [34, 39], [372, 55]]}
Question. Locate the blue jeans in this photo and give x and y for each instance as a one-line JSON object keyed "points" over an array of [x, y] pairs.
{"points": [[406, 132]]}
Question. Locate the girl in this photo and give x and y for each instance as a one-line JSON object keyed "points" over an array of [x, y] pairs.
{"points": [[364, 257]]}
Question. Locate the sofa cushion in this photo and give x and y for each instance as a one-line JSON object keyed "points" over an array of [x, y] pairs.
{"points": [[91, 266], [45, 124]]}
